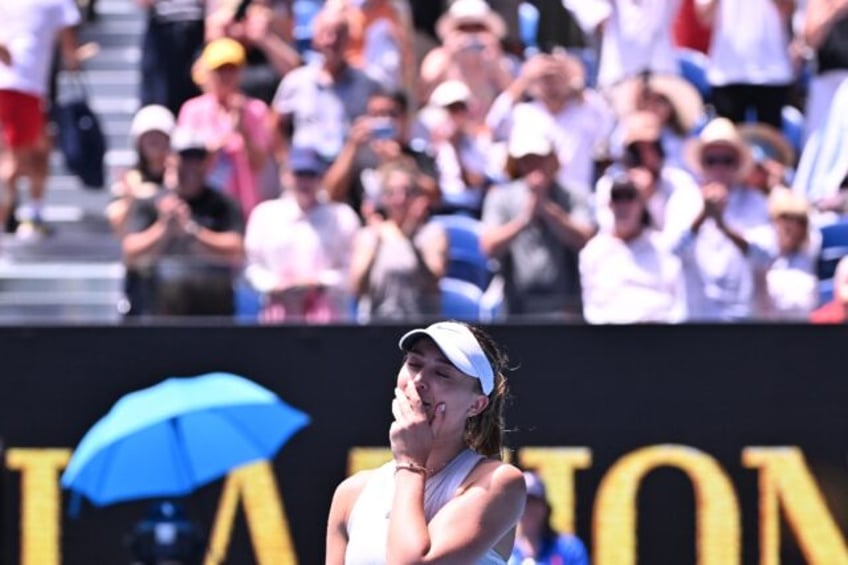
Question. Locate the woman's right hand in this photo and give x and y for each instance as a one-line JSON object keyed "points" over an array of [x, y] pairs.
{"points": [[412, 432]]}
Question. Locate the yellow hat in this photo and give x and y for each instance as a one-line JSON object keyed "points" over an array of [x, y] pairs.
{"points": [[216, 54]]}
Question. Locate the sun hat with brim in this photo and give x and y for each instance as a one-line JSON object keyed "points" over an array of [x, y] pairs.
{"points": [[459, 345], [152, 118], [783, 202], [767, 142], [640, 126], [683, 97], [463, 12], [720, 131], [218, 53]]}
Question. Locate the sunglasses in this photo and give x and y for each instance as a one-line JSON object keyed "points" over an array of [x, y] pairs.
{"points": [[726, 160], [623, 195]]}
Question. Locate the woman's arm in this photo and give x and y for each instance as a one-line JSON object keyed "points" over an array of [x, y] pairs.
{"points": [[465, 528], [365, 248], [343, 499], [820, 17]]}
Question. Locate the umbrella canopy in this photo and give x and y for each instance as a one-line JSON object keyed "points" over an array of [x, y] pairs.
{"points": [[173, 437]]}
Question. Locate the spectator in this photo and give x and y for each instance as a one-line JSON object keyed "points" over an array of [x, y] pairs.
{"points": [[557, 26], [835, 311], [31, 32], [234, 125], [173, 37], [669, 193], [460, 149], [299, 247], [316, 104], [265, 32], [536, 229], [673, 100], [470, 33], [576, 119], [628, 274], [150, 132], [785, 255], [720, 282], [381, 136], [185, 242], [760, 80], [773, 157], [381, 41], [826, 32], [536, 541], [397, 263], [635, 36]]}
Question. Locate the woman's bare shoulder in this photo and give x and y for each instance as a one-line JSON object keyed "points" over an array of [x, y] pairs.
{"points": [[498, 475], [350, 488]]}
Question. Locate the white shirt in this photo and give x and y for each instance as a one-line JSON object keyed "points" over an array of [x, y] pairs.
{"points": [[787, 286], [630, 282], [749, 44], [284, 244], [673, 183], [719, 278], [636, 37], [29, 30]]}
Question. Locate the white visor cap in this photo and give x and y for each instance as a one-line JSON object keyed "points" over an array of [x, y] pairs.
{"points": [[461, 348]]}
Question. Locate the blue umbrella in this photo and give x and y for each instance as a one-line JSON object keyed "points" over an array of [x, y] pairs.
{"points": [[171, 438]]}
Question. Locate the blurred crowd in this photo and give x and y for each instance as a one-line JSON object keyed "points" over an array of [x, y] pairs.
{"points": [[613, 161]]}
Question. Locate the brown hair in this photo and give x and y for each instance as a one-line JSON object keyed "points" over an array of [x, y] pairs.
{"points": [[484, 433]]}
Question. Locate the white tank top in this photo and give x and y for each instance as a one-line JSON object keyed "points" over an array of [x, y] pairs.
{"points": [[368, 523]]}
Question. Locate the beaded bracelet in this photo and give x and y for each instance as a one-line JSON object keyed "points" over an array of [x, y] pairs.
{"points": [[415, 468]]}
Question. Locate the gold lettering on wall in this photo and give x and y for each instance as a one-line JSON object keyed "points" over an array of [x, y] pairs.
{"points": [[557, 467], [269, 531], [785, 482], [363, 458], [718, 527], [41, 502]]}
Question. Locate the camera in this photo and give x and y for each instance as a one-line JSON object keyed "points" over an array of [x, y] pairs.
{"points": [[383, 128]]}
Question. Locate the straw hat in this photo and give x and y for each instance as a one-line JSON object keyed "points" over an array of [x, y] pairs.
{"points": [[216, 54], [683, 97], [719, 131], [470, 12], [784, 201], [766, 141], [640, 126]]}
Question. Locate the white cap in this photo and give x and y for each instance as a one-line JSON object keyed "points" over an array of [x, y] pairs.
{"points": [[450, 92], [461, 348], [152, 118], [526, 140], [186, 139]]}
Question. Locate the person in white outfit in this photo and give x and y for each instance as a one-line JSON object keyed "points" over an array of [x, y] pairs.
{"points": [[717, 266], [628, 274], [446, 497]]}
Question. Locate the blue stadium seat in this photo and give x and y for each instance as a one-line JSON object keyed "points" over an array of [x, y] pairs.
{"points": [[834, 246], [460, 299], [693, 67], [304, 16], [248, 301], [466, 260]]}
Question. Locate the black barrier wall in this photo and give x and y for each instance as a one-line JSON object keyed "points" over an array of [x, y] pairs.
{"points": [[621, 393]]}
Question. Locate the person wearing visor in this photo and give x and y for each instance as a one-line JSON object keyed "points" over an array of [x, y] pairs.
{"points": [[446, 496]]}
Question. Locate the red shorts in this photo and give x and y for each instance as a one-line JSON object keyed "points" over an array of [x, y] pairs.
{"points": [[21, 118]]}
